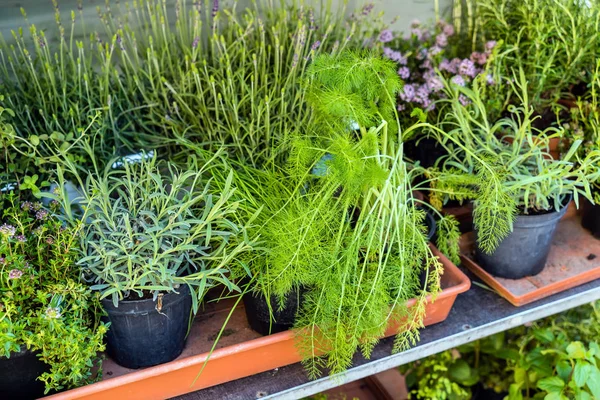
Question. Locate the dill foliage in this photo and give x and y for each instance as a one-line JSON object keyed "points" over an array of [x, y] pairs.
{"points": [[339, 220]]}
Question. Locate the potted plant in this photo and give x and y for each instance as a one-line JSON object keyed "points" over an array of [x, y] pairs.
{"points": [[155, 240], [50, 329], [342, 234], [585, 126], [520, 193]]}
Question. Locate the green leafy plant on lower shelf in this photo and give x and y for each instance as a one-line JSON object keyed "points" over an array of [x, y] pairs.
{"points": [[44, 307], [555, 359]]}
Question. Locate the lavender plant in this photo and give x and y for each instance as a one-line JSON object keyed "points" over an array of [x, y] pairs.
{"points": [[44, 307], [199, 74]]}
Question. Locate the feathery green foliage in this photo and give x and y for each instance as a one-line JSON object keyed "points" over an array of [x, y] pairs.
{"points": [[339, 219]]}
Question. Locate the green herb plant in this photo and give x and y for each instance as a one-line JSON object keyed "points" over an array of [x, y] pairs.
{"points": [[174, 75], [507, 169], [339, 219], [44, 306], [553, 41], [151, 228], [584, 125]]}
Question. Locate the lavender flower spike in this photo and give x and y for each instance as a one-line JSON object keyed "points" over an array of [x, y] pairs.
{"points": [[386, 36]]}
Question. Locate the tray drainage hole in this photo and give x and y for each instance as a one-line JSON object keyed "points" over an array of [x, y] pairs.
{"points": [[260, 395], [466, 327]]}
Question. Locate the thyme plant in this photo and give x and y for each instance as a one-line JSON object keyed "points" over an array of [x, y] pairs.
{"points": [[44, 305]]}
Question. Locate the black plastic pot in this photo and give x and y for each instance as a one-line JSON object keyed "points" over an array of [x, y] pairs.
{"points": [[18, 376], [481, 393], [525, 250], [590, 218], [259, 316], [142, 336]]}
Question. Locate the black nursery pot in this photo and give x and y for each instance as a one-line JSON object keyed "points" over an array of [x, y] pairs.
{"points": [[140, 336], [18, 376], [431, 236], [482, 393], [259, 317], [525, 250], [590, 218]]}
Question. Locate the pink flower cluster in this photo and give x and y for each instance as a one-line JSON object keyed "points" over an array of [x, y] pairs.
{"points": [[421, 53]]}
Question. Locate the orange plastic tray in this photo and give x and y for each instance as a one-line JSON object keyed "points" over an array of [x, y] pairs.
{"points": [[574, 259], [242, 352]]}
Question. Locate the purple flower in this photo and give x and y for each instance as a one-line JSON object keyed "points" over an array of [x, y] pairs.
{"points": [[426, 64], [467, 68], [37, 206], [422, 54], [27, 206], [408, 93], [433, 50], [7, 230], [458, 80], [422, 95], [404, 72], [196, 41], [394, 56], [386, 36], [489, 46], [441, 40], [215, 8], [490, 79], [401, 107], [464, 100], [448, 29], [367, 8], [41, 215], [446, 65], [15, 274], [434, 83], [2, 260], [21, 238], [479, 58], [315, 45]]}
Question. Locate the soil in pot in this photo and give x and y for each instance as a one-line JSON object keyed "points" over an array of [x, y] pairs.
{"points": [[259, 315], [525, 250], [590, 218], [18, 376], [145, 332]]}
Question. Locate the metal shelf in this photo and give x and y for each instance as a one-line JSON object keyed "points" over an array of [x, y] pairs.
{"points": [[477, 313]]}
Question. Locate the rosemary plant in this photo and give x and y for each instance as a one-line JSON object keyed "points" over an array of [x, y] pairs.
{"points": [[554, 42]]}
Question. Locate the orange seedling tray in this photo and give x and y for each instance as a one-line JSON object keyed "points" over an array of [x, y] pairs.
{"points": [[574, 259], [241, 352]]}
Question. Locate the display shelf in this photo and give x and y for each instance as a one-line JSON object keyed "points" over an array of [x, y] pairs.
{"points": [[476, 314]]}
